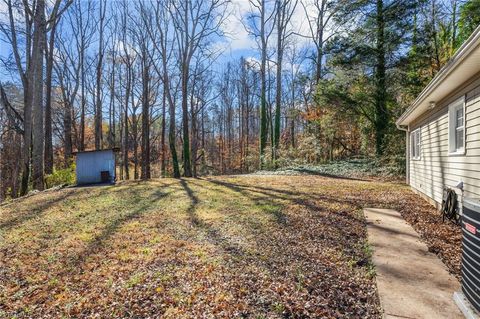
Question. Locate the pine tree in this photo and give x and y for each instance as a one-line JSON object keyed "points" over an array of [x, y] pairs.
{"points": [[469, 19], [377, 31]]}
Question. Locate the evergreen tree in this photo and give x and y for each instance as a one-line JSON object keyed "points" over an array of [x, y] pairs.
{"points": [[378, 31], [469, 19]]}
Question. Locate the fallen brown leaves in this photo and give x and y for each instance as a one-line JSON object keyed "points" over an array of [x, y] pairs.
{"points": [[247, 246]]}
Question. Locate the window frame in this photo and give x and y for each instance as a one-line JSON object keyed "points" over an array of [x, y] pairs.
{"points": [[413, 155], [453, 107]]}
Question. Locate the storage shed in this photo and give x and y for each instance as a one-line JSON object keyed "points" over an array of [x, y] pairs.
{"points": [[443, 128], [95, 167]]}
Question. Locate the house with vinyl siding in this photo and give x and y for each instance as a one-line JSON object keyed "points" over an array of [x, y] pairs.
{"points": [[443, 128]]}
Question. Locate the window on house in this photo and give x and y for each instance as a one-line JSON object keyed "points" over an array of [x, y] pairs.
{"points": [[415, 144], [456, 127]]}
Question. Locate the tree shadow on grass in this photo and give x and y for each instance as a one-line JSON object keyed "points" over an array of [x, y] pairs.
{"points": [[340, 224], [97, 244], [328, 175], [265, 202], [37, 210], [294, 197], [213, 235], [193, 203]]}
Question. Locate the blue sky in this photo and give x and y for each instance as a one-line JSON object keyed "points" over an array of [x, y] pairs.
{"points": [[236, 43]]}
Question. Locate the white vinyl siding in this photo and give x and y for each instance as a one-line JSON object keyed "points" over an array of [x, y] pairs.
{"points": [[415, 142], [437, 167], [456, 127]]}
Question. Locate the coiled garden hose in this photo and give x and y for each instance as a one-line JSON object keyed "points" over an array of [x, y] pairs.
{"points": [[450, 206]]}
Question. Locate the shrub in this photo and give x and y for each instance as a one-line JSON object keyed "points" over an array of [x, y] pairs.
{"points": [[59, 177]]}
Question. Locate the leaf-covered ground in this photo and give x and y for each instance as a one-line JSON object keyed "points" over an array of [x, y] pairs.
{"points": [[364, 168], [220, 247]]}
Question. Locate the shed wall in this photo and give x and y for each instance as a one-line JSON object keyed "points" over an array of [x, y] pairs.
{"points": [[90, 164], [436, 168]]}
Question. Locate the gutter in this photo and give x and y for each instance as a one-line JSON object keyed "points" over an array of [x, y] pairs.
{"points": [[401, 127], [471, 43]]}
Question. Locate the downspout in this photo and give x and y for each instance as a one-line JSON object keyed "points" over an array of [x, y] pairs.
{"points": [[407, 151]]}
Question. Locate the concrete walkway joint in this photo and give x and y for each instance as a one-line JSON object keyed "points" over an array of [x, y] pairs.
{"points": [[411, 281]]}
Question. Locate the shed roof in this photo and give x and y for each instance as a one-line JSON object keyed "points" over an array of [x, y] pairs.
{"points": [[461, 67], [114, 149]]}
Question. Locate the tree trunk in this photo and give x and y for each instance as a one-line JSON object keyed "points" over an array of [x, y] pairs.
{"points": [[187, 171], [98, 102], [83, 101], [67, 124], [125, 124], [171, 110], [135, 142], [319, 64], [278, 93], [111, 126], [453, 45], [194, 139], [437, 63], [162, 139], [27, 98], [381, 116], [204, 163], [263, 88], [247, 132], [48, 105], [122, 150], [27, 136], [145, 120], [171, 141], [37, 96], [292, 115]]}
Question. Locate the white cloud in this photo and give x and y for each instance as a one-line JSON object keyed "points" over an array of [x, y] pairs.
{"points": [[3, 12], [124, 49], [300, 20], [253, 62], [237, 37]]}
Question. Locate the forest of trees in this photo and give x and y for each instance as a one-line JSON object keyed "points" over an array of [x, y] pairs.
{"points": [[323, 80]]}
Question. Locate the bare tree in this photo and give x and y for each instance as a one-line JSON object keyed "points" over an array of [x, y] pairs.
{"points": [[37, 60], [11, 132], [144, 52], [12, 31], [99, 69], [128, 60], [285, 10], [261, 22], [295, 58], [320, 14], [200, 98], [48, 102], [195, 22], [49, 56], [163, 46], [67, 70], [38, 48]]}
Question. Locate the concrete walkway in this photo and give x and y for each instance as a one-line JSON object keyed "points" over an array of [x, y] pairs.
{"points": [[412, 283]]}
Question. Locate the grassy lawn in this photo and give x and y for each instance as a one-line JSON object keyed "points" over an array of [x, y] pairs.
{"points": [[244, 246]]}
